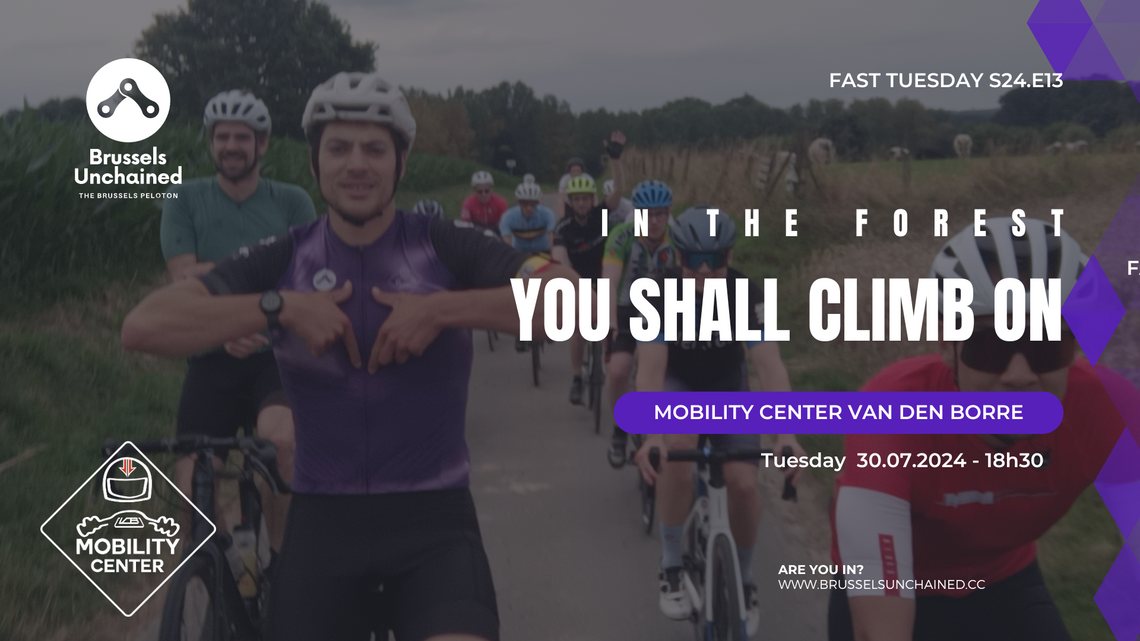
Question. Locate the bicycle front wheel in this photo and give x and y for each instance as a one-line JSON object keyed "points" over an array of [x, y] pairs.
{"points": [[727, 624], [535, 359], [193, 611], [597, 379]]}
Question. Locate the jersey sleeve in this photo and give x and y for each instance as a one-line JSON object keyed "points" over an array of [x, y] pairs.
{"points": [[894, 481], [302, 210], [551, 221], [176, 230], [465, 208], [873, 530], [559, 233], [618, 245], [756, 302], [253, 269], [505, 222], [476, 260]]}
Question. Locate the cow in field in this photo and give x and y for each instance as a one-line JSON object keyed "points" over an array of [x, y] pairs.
{"points": [[1078, 147], [1055, 148], [962, 145], [821, 151]]}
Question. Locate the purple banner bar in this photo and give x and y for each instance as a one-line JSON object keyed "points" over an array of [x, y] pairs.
{"points": [[838, 412]]}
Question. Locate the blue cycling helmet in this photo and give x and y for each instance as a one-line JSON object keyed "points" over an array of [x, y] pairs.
{"points": [[689, 232], [649, 194], [428, 208]]}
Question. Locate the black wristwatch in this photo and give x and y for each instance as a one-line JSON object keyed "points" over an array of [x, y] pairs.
{"points": [[271, 302]]}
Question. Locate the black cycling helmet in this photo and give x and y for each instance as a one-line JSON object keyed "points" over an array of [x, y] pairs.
{"points": [[575, 161], [689, 232]]}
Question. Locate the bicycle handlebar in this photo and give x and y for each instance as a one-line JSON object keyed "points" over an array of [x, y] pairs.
{"points": [[261, 453], [709, 455]]}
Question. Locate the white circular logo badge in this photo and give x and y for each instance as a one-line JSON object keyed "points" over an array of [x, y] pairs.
{"points": [[324, 280], [128, 100]]}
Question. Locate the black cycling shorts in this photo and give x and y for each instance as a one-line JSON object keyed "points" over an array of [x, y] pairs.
{"points": [[624, 342], [1018, 608], [222, 393], [411, 562]]}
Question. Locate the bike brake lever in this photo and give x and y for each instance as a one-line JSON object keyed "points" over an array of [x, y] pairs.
{"points": [[790, 493]]}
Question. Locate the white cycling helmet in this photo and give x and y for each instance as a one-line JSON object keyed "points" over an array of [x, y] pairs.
{"points": [[361, 97], [608, 187], [238, 105], [985, 260], [482, 178], [528, 189]]}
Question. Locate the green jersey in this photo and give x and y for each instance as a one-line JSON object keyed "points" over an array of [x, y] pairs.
{"points": [[204, 221], [635, 259]]}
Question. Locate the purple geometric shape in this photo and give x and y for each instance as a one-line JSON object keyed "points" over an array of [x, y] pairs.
{"points": [[1123, 41], [1093, 310], [1093, 7], [1059, 42], [1119, 596], [1093, 60], [1119, 11], [1123, 394], [1119, 483], [1055, 11]]}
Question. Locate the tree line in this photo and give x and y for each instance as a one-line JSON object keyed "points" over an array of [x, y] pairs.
{"points": [[215, 45]]}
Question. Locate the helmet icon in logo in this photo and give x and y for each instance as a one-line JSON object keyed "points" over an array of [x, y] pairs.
{"points": [[127, 480], [128, 100]]}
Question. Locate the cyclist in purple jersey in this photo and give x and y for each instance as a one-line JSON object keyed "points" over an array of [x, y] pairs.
{"points": [[382, 534]]}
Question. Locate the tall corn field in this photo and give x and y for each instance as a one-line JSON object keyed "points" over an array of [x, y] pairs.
{"points": [[55, 244]]}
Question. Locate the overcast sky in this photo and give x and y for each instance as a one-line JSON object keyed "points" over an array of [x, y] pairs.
{"points": [[617, 54]]}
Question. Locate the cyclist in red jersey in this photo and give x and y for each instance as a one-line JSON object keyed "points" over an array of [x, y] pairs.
{"points": [[972, 525], [483, 208]]}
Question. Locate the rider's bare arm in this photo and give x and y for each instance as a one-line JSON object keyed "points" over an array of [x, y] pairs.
{"points": [[864, 520], [770, 367], [612, 273], [613, 201], [185, 266], [652, 359], [183, 318], [562, 256], [882, 618]]}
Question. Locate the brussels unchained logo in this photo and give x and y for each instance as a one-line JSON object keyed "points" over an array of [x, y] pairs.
{"points": [[113, 526], [128, 100]]}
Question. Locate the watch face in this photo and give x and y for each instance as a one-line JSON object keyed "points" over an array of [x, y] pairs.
{"points": [[271, 301]]}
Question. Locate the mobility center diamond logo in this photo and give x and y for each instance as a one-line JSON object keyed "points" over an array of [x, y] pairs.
{"points": [[113, 525]]}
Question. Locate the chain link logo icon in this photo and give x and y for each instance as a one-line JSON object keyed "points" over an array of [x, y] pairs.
{"points": [[128, 100]]}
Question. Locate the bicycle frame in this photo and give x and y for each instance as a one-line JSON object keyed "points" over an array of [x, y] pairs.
{"points": [[709, 515]]}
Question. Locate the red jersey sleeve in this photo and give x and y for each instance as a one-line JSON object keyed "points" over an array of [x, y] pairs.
{"points": [[923, 373]]}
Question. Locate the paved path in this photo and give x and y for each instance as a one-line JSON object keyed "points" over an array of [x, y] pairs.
{"points": [[563, 530]]}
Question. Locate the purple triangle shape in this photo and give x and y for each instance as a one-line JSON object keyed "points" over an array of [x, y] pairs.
{"points": [[1119, 596], [1093, 329], [1119, 11], [1120, 384], [1093, 7], [1092, 292], [1055, 11], [1123, 42], [1119, 483], [1093, 310], [1093, 61], [1059, 42]]}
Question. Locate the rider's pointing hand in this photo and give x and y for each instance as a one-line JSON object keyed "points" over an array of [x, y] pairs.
{"points": [[407, 331], [318, 320]]}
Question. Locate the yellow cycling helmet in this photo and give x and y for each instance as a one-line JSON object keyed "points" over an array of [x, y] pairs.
{"points": [[581, 185]]}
